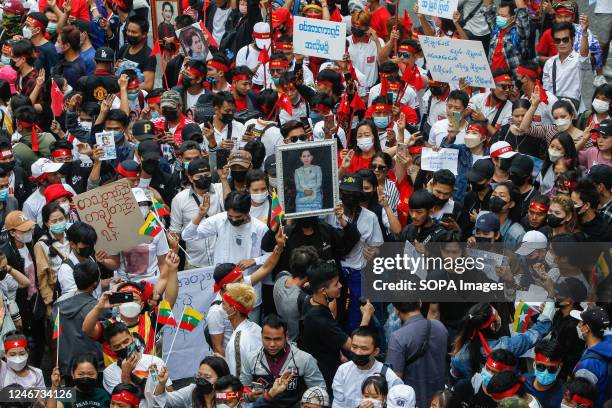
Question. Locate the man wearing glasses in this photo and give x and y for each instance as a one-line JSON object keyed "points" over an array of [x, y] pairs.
{"points": [[494, 108], [544, 382]]}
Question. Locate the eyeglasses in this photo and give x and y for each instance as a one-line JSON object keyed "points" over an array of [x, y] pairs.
{"points": [[276, 71], [301, 138], [404, 54], [506, 87], [380, 167], [550, 369], [563, 40]]}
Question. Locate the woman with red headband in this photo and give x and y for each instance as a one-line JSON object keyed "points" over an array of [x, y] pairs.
{"points": [[14, 369], [506, 384], [536, 215]]}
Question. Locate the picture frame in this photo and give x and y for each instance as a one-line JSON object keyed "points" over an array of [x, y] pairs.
{"points": [[163, 13], [307, 175], [193, 41]]}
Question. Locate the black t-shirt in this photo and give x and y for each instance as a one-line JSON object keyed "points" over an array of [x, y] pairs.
{"points": [[97, 87], [47, 57], [523, 144], [143, 58]]}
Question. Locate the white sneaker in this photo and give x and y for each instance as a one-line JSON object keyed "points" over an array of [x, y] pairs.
{"points": [[599, 80]]}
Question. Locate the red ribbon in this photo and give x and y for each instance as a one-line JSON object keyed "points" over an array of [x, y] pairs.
{"points": [[218, 65], [262, 36], [61, 153], [126, 397], [502, 78], [381, 107], [233, 276], [498, 365], [541, 358], [500, 151], [477, 128], [508, 393], [538, 207], [131, 289], [236, 305], [11, 344], [527, 72]]}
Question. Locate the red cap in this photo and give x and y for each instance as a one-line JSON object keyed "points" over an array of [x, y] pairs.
{"points": [[55, 191]]}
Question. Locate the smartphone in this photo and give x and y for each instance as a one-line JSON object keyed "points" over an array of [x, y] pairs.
{"points": [[328, 121], [456, 119], [447, 217], [402, 148], [120, 297], [222, 156], [258, 386]]}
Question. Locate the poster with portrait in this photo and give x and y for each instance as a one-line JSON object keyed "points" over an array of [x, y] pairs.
{"points": [[307, 178], [164, 12], [193, 41]]}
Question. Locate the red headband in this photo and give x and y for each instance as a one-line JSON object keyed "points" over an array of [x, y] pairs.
{"points": [[36, 23], [569, 184], [131, 289], [218, 65], [564, 11], [285, 46], [581, 400], [508, 393], [133, 83], [241, 77], [11, 344], [61, 153], [194, 72], [153, 100], [23, 124], [121, 170], [407, 48], [500, 151], [415, 149], [541, 358], [491, 320], [527, 72], [478, 128], [321, 108], [502, 78], [499, 366], [290, 86], [6, 153], [381, 107], [262, 36], [237, 305], [229, 395], [234, 275], [127, 397], [539, 207], [279, 64]]}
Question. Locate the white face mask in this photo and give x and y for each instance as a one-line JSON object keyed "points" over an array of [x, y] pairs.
{"points": [[554, 154], [420, 62], [580, 335], [25, 237], [259, 198], [85, 125], [563, 124], [472, 140], [130, 309], [601, 106], [375, 403], [272, 181], [144, 183], [365, 144], [65, 206], [27, 32], [16, 363]]}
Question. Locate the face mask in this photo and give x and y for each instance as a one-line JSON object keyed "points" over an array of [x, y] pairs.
{"points": [[59, 49], [242, 9], [563, 124], [365, 144], [554, 154], [58, 228], [275, 80], [7, 167], [505, 164], [374, 402], [227, 118], [440, 202], [358, 32], [5, 60], [51, 28], [580, 335], [360, 359], [132, 39], [85, 252], [126, 352], [484, 243], [420, 62], [601, 106], [259, 198], [236, 223], [486, 376], [349, 200], [496, 204], [381, 122], [144, 183], [17, 363], [4, 193], [203, 386], [130, 309], [553, 221], [27, 32], [154, 114], [144, 210], [562, 406], [202, 183], [367, 196], [239, 175], [85, 125], [518, 180], [65, 206], [85, 384], [67, 90], [170, 114], [544, 377], [133, 96], [25, 237], [149, 166], [472, 140], [501, 22], [212, 80], [118, 136]]}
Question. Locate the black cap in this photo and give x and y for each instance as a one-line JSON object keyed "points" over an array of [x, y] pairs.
{"points": [[481, 170], [521, 165], [601, 173], [192, 131], [605, 127], [105, 54], [595, 317], [143, 130], [571, 288], [149, 150], [351, 183], [83, 26], [189, 145], [198, 166], [270, 165]]}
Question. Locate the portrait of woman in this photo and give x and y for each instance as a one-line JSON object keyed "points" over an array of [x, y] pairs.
{"points": [[165, 30], [308, 180], [194, 44]]}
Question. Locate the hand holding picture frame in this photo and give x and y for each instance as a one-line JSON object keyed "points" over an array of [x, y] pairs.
{"points": [[193, 41]]}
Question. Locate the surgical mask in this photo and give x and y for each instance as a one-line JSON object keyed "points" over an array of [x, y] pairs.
{"points": [[58, 228], [360, 359], [6, 60], [212, 80], [365, 144], [242, 9], [85, 125], [154, 115], [117, 136], [130, 309], [59, 49], [544, 377], [27, 32], [472, 140], [4, 193], [275, 80], [132, 39], [554, 154], [85, 384], [127, 351], [144, 183], [315, 117], [382, 122], [25, 237], [51, 28], [133, 96], [259, 198], [65, 206], [420, 62], [17, 363], [374, 402], [486, 376], [85, 252], [144, 210], [563, 124], [553, 221], [217, 405], [580, 335], [496, 204], [501, 22], [601, 106]]}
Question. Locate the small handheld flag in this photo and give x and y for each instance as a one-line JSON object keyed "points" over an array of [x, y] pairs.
{"points": [[57, 329], [57, 99], [190, 319], [151, 227], [277, 213], [164, 314]]}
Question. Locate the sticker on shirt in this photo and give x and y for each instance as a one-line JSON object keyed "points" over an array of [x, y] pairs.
{"points": [[137, 260], [370, 59]]}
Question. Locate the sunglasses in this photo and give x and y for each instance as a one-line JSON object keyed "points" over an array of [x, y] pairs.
{"points": [[550, 369], [404, 54], [506, 87], [277, 71], [563, 40], [301, 137], [380, 167]]}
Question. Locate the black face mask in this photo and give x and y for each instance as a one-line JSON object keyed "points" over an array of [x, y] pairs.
{"points": [[7, 167], [349, 200], [132, 39], [484, 243], [496, 204], [202, 183], [227, 118], [239, 175], [553, 221], [436, 90], [360, 359], [149, 166], [203, 386], [86, 385], [170, 114], [439, 202], [65, 169], [187, 82], [358, 32], [505, 164], [86, 252], [367, 196], [518, 180], [308, 222], [126, 352], [236, 223], [477, 186]]}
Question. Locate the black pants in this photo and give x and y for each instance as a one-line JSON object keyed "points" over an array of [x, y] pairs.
{"points": [[484, 39]]}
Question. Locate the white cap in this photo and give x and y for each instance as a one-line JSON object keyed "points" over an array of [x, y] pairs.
{"points": [[140, 195], [401, 396], [501, 149], [42, 166], [532, 240], [262, 28]]}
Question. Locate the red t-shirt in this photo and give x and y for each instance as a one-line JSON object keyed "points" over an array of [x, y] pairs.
{"points": [[546, 46], [405, 191], [499, 60], [379, 21], [80, 8], [358, 162], [241, 104]]}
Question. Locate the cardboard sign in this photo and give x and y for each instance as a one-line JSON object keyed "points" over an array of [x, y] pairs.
{"points": [[442, 159], [319, 38], [113, 212], [449, 60], [440, 8]]}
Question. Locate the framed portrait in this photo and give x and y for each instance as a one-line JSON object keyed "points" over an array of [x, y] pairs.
{"points": [[164, 12], [307, 175], [193, 41]]}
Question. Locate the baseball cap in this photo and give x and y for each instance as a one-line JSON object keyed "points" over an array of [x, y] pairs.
{"points": [[401, 396], [55, 191], [198, 166], [9, 75], [128, 168], [270, 165], [605, 127], [487, 222], [501, 149], [316, 395], [521, 165], [44, 166], [190, 130], [15, 7], [143, 130], [601, 173], [482, 169], [261, 34], [17, 220], [140, 195], [351, 183], [532, 240], [571, 288], [170, 99], [149, 150], [595, 317], [241, 158], [105, 54]]}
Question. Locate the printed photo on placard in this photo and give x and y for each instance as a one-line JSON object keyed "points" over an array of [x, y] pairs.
{"points": [[193, 41]]}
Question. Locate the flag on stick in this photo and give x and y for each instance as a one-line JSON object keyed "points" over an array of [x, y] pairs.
{"points": [[164, 314], [190, 319], [57, 99], [151, 227], [277, 212]]}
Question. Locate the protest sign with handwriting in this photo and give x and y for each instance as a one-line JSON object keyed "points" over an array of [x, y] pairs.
{"points": [[113, 212], [319, 38], [442, 159], [440, 8], [449, 60]]}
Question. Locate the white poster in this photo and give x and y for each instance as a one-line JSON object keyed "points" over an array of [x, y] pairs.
{"points": [[440, 8], [442, 159], [449, 60], [319, 38]]}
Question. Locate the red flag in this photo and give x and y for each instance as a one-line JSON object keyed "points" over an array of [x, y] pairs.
{"points": [[284, 103], [357, 103], [264, 58], [336, 16], [57, 99], [344, 109], [406, 21], [413, 77], [211, 39], [156, 50], [543, 95], [354, 73], [384, 85]]}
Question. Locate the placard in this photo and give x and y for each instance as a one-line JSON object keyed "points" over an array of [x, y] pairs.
{"points": [[491, 260], [113, 212], [106, 141], [440, 8], [449, 60], [319, 38], [442, 159]]}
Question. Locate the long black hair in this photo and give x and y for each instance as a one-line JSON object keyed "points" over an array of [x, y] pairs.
{"points": [[477, 319]]}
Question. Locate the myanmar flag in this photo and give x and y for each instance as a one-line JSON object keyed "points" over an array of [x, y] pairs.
{"points": [[277, 211], [57, 329], [160, 209], [191, 318], [151, 227], [522, 317], [164, 314]]}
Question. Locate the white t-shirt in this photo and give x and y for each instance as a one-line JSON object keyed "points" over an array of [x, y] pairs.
{"points": [[270, 138], [193, 99], [32, 207], [365, 59], [440, 130], [261, 212], [250, 341], [140, 262], [219, 20], [348, 380], [319, 134]]}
